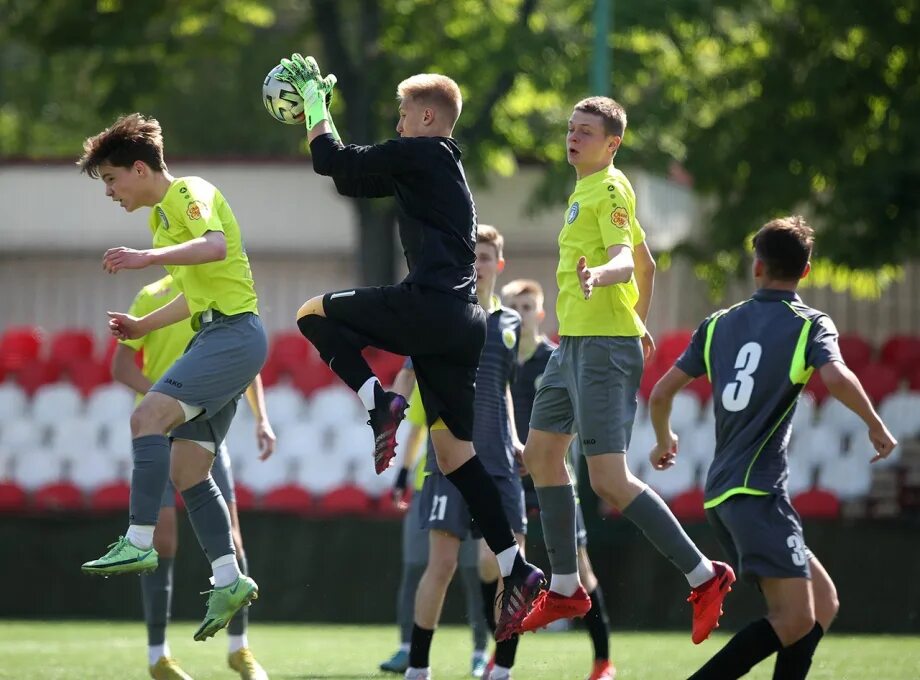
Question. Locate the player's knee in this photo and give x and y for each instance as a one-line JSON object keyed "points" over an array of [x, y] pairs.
{"points": [[145, 419], [793, 624], [442, 567], [312, 307], [613, 490]]}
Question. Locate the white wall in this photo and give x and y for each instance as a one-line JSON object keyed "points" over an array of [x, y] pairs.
{"points": [[283, 208]]}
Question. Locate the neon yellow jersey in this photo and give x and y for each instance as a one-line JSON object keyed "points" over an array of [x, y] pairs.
{"points": [[601, 214], [163, 346], [190, 208], [415, 414]]}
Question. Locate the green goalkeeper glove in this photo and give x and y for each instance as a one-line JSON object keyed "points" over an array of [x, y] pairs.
{"points": [[304, 75]]}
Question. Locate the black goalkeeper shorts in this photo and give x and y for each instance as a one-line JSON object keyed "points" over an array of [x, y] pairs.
{"points": [[442, 333]]}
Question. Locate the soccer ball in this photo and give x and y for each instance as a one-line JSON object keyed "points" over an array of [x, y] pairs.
{"points": [[281, 99]]}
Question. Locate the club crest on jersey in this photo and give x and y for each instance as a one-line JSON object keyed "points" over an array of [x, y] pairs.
{"points": [[573, 213], [508, 337], [162, 215], [620, 217], [196, 209]]}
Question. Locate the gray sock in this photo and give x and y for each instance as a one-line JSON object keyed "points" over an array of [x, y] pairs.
{"points": [[240, 620], [156, 591], [557, 513], [475, 608], [648, 512], [148, 478], [208, 514], [405, 600]]}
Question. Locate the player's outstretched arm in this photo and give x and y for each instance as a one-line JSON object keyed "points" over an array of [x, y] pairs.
{"points": [[265, 436], [845, 387], [128, 327], [618, 269], [664, 454]]}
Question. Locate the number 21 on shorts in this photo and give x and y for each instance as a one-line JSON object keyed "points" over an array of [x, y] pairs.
{"points": [[438, 508]]}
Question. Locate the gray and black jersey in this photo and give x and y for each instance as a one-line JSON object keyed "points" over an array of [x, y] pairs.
{"points": [[758, 355], [524, 389], [497, 370]]}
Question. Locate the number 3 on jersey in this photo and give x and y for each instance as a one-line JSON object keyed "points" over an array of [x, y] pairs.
{"points": [[737, 393]]}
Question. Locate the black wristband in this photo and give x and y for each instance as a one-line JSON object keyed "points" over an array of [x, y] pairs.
{"points": [[401, 479]]}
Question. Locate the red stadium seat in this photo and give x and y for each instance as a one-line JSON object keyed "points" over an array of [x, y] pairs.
{"points": [[347, 499], [688, 505], [650, 376], [670, 346], [310, 377], [817, 503], [245, 497], [817, 388], [902, 353], [384, 364], [87, 375], [288, 498], [58, 496], [12, 498], [857, 353], [290, 351], [878, 380], [32, 375], [269, 373], [913, 380], [71, 346], [19, 345], [114, 496]]}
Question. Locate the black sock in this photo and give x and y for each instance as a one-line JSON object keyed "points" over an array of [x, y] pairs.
{"points": [[336, 349], [420, 646], [505, 651], [746, 649], [793, 662], [598, 624], [489, 588], [481, 495]]}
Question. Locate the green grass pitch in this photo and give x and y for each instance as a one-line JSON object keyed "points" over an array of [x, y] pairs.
{"points": [[39, 650]]}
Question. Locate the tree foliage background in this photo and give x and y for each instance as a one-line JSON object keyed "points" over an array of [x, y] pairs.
{"points": [[770, 105]]}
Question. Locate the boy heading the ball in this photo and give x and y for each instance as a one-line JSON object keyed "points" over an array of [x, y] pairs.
{"points": [[181, 421], [433, 315]]}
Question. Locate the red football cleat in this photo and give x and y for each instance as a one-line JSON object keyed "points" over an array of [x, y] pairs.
{"points": [[603, 670], [707, 601], [550, 606]]}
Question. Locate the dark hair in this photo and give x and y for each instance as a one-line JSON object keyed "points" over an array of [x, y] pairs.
{"points": [[613, 114], [784, 246], [130, 138]]}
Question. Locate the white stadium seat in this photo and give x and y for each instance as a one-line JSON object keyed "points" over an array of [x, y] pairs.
{"points": [[804, 415], [262, 476], [685, 412], [336, 406], [91, 470], [74, 437], [110, 402], [116, 438], [816, 444], [849, 477], [321, 471], [13, 402], [698, 445], [21, 436], [834, 414], [801, 475], [56, 401], [901, 413], [668, 483], [284, 404], [37, 469]]}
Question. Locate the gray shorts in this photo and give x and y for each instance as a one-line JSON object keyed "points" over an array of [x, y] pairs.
{"points": [[219, 363], [442, 507], [221, 471], [589, 388], [415, 540], [762, 536]]}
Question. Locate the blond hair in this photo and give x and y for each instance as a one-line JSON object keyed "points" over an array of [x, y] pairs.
{"points": [[433, 89], [518, 287], [486, 233]]}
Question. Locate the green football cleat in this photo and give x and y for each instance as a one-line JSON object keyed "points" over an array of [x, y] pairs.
{"points": [[223, 603], [123, 557]]}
